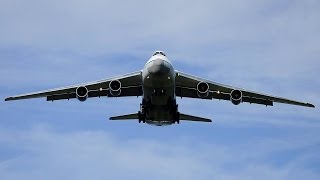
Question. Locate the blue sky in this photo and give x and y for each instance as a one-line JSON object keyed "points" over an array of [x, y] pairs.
{"points": [[270, 46]]}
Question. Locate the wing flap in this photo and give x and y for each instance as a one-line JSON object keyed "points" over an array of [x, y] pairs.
{"points": [[257, 101], [55, 97], [125, 91], [221, 95], [226, 96], [190, 93]]}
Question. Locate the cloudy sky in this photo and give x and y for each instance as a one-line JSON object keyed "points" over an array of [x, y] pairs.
{"points": [[270, 46]]}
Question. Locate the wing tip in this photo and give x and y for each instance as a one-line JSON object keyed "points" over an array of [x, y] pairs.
{"points": [[311, 105], [112, 118], [207, 120], [8, 99]]}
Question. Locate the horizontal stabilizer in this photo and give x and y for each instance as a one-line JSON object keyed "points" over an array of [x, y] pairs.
{"points": [[126, 117], [186, 117]]}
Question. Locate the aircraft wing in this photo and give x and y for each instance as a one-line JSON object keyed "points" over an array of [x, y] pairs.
{"points": [[186, 86], [131, 85]]}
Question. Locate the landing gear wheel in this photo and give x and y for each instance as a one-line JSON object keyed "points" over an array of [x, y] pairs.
{"points": [[142, 117], [176, 118]]}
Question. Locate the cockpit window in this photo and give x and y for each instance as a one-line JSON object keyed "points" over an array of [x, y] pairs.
{"points": [[159, 52]]}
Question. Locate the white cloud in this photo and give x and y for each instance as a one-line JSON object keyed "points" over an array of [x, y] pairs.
{"points": [[265, 39], [48, 154]]}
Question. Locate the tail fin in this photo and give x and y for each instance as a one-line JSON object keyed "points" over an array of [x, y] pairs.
{"points": [[187, 117], [126, 117]]}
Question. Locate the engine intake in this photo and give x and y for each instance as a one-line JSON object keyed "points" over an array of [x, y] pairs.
{"points": [[82, 93], [236, 96], [203, 89], [115, 87]]}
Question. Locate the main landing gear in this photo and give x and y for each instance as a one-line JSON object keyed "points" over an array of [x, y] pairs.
{"points": [[143, 110], [176, 118], [142, 117], [175, 113], [145, 107]]}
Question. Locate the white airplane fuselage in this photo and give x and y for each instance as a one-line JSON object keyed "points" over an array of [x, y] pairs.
{"points": [[158, 82]]}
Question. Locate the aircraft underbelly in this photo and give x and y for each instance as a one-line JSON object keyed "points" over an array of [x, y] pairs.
{"points": [[159, 92], [159, 89], [159, 113]]}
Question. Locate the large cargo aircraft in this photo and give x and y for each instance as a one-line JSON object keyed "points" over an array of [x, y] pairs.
{"points": [[159, 84]]}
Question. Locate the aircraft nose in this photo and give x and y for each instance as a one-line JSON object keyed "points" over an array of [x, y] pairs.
{"points": [[158, 67]]}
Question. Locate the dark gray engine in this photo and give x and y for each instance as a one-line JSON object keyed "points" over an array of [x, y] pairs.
{"points": [[115, 87], [82, 93], [236, 96], [203, 89]]}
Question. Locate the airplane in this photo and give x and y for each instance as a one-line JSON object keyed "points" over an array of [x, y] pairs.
{"points": [[159, 84]]}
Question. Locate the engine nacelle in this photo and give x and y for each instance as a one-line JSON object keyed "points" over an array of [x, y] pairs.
{"points": [[236, 96], [115, 87], [82, 93], [203, 89]]}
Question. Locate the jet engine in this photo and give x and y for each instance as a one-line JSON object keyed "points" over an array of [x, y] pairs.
{"points": [[203, 89], [82, 93], [236, 96], [115, 87]]}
